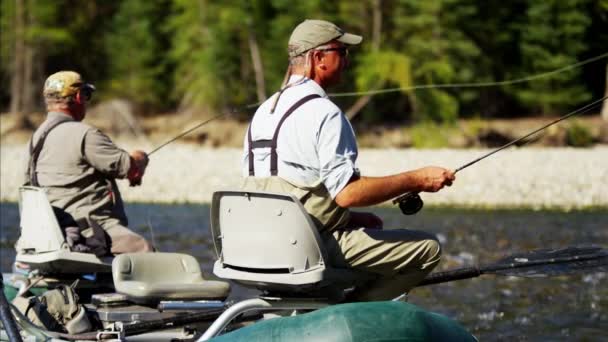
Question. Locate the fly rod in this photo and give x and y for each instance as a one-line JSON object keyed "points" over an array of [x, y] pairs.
{"points": [[188, 131], [185, 133], [410, 202], [537, 263]]}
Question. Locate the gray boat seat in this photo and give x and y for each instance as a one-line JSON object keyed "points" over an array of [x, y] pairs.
{"points": [[268, 241], [42, 245], [151, 277]]}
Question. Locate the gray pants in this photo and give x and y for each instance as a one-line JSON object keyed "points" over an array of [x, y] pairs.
{"points": [[400, 258], [110, 231]]}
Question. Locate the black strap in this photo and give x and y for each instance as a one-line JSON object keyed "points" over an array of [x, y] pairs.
{"points": [[35, 152], [273, 143], [41, 311]]}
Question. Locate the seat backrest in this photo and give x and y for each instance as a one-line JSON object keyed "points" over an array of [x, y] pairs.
{"points": [[42, 244], [265, 237], [40, 231]]}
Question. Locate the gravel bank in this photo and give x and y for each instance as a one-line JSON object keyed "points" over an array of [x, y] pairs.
{"points": [[563, 178]]}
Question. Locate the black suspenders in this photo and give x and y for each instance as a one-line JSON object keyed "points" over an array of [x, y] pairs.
{"points": [[35, 152], [273, 143]]}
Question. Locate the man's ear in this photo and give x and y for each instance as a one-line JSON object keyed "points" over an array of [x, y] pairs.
{"points": [[317, 57], [77, 98]]}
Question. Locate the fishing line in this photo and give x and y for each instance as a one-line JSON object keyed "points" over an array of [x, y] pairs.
{"points": [[388, 90], [410, 202], [474, 84], [152, 235]]}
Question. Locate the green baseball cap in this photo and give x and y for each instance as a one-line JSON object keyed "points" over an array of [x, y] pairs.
{"points": [[64, 84], [312, 33]]}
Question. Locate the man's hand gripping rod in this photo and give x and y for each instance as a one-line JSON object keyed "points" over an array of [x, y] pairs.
{"points": [[410, 202], [135, 180]]}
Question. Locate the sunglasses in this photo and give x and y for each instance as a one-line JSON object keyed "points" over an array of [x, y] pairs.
{"points": [[86, 93], [342, 51]]}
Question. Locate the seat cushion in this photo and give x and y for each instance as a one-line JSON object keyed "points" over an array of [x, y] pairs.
{"points": [[141, 291], [151, 277]]}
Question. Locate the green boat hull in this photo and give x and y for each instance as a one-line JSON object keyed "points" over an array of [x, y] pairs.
{"points": [[371, 321]]}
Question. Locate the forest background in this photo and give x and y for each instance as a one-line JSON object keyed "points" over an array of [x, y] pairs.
{"points": [[181, 61]]}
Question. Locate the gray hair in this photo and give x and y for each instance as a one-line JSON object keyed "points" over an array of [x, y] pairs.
{"points": [[299, 60], [302, 59], [52, 101]]}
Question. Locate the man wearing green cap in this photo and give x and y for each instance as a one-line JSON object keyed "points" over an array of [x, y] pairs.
{"points": [[301, 142], [78, 166]]}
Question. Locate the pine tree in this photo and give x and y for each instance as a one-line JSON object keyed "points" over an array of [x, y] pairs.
{"points": [[552, 38], [428, 32], [135, 54]]}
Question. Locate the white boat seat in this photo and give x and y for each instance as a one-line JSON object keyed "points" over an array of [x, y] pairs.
{"points": [[268, 241], [42, 244], [151, 277]]}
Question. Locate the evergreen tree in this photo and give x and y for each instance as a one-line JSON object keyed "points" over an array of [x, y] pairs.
{"points": [[552, 38], [30, 33], [135, 54], [429, 33], [206, 52]]}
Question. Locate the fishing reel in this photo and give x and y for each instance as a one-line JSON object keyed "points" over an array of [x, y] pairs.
{"points": [[409, 203]]}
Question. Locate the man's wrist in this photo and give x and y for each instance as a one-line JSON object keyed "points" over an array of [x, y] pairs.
{"points": [[412, 181]]}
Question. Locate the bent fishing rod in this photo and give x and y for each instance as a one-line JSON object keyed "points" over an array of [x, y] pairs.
{"points": [[410, 203]]}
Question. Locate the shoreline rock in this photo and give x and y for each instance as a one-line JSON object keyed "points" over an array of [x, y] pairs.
{"points": [[533, 178]]}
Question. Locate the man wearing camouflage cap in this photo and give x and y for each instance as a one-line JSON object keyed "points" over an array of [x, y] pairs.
{"points": [[77, 164], [301, 142]]}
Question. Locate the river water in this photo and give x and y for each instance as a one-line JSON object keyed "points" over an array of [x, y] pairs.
{"points": [[566, 308]]}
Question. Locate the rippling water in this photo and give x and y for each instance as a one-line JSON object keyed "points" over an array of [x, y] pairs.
{"points": [[567, 308]]}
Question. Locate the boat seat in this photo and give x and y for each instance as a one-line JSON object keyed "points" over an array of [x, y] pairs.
{"points": [[152, 277], [42, 245], [268, 241]]}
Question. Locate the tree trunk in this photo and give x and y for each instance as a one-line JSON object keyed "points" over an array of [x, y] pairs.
{"points": [[28, 95], [376, 36], [22, 69], [17, 70], [258, 68], [605, 103], [604, 127]]}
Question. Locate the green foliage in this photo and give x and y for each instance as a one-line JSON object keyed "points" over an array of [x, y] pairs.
{"points": [[551, 38], [439, 106], [440, 51], [578, 135], [133, 45], [7, 11], [182, 54], [431, 135], [376, 69], [195, 82]]}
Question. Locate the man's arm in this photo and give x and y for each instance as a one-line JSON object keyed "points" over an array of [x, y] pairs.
{"points": [[111, 160], [364, 191]]}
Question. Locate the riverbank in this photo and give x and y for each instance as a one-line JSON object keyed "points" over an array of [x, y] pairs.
{"points": [[536, 178]]}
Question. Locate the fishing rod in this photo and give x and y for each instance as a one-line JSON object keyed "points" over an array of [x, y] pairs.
{"points": [[410, 202], [186, 132], [537, 263]]}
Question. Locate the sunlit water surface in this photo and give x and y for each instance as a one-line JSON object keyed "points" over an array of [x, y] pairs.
{"points": [[567, 308]]}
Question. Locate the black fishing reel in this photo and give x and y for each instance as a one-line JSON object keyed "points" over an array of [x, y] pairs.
{"points": [[409, 203]]}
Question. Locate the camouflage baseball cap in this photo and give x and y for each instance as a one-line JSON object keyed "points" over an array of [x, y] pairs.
{"points": [[65, 84], [312, 33]]}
